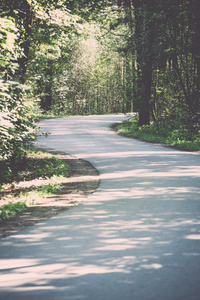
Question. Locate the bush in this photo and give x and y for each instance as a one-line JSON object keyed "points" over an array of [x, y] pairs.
{"points": [[17, 129], [183, 132], [8, 210]]}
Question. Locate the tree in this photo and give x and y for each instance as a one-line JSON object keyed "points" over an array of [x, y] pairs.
{"points": [[166, 37], [148, 55], [49, 51], [16, 126], [20, 11]]}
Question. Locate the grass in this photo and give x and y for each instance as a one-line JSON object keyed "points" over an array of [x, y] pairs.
{"points": [[37, 166], [11, 209], [179, 136]]}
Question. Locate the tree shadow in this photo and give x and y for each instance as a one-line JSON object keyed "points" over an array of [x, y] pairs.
{"points": [[137, 237]]}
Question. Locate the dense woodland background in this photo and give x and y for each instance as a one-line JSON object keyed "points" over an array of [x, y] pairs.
{"points": [[96, 57]]}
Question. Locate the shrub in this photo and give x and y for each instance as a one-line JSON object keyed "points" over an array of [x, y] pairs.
{"points": [[17, 129]]}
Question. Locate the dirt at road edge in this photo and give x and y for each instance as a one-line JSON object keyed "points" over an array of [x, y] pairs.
{"points": [[83, 180]]}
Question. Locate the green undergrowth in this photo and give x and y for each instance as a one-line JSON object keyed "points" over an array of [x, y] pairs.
{"points": [[11, 209], [37, 166], [176, 136]]}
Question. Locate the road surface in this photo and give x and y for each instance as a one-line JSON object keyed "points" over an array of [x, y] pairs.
{"points": [[136, 238]]}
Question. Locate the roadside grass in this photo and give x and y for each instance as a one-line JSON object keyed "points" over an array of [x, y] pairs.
{"points": [[179, 137], [22, 190], [48, 115]]}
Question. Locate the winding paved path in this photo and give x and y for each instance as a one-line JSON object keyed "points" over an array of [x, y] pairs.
{"points": [[136, 238]]}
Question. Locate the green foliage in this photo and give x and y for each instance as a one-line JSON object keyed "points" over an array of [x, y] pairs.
{"points": [[11, 209], [178, 133], [94, 57], [50, 189], [52, 32], [90, 78], [37, 165], [17, 130], [19, 203], [9, 52]]}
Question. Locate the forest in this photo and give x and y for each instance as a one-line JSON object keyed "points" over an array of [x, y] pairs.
{"points": [[65, 58]]}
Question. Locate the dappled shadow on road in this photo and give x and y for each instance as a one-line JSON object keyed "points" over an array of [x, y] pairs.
{"points": [[137, 237], [82, 181], [130, 253]]}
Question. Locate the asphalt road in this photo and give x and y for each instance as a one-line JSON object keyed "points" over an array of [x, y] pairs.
{"points": [[136, 238]]}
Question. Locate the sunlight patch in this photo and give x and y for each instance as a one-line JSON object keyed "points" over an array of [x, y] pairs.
{"points": [[152, 266], [193, 237]]}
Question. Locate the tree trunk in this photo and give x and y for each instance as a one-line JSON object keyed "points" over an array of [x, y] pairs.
{"points": [[27, 24], [145, 51], [144, 115], [138, 44], [196, 51]]}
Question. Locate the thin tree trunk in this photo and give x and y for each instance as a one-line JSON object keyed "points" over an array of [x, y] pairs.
{"points": [[147, 60], [144, 115], [27, 23]]}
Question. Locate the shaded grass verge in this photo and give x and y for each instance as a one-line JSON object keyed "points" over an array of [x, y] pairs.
{"points": [[39, 175], [82, 180], [175, 137]]}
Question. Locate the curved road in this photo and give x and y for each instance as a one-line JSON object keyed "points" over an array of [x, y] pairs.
{"points": [[136, 238]]}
